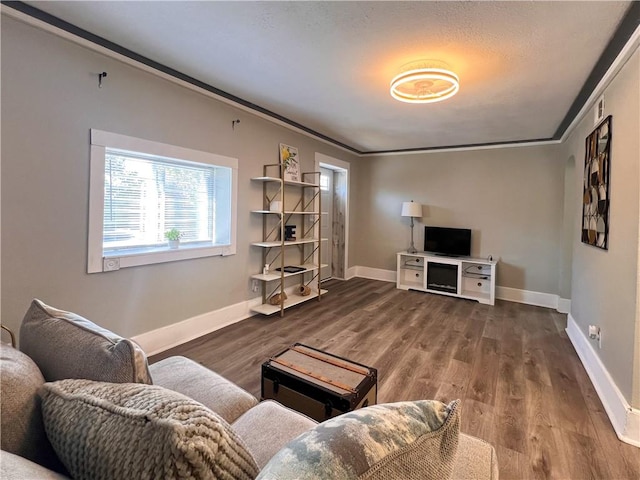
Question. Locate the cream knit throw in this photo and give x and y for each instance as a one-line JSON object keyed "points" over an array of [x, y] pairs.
{"points": [[136, 431]]}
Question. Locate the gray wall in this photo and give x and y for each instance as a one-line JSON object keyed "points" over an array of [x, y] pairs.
{"points": [[50, 100], [510, 197], [605, 283]]}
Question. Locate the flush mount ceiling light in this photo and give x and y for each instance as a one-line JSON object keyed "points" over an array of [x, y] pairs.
{"points": [[421, 83]]}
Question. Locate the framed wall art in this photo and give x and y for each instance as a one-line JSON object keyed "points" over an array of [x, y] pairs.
{"points": [[291, 162], [596, 197]]}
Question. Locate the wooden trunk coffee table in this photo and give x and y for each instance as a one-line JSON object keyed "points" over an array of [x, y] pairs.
{"points": [[317, 383]]}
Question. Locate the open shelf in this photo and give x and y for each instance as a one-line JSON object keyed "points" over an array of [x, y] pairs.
{"points": [[288, 242], [286, 182], [275, 275], [266, 179], [289, 212], [291, 301]]}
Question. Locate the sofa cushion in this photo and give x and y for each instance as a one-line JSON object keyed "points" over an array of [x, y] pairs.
{"points": [[195, 381], [268, 427], [21, 421], [129, 430], [19, 468], [66, 345], [408, 440], [476, 459]]}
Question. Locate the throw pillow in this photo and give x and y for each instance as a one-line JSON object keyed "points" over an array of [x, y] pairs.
{"points": [[66, 345], [131, 430], [21, 421], [408, 440]]}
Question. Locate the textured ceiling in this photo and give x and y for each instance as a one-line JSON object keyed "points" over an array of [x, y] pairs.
{"points": [[327, 65]]}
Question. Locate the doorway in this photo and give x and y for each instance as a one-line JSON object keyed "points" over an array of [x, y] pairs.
{"points": [[334, 195]]}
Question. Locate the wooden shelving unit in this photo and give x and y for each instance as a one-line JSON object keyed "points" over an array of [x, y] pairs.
{"points": [[299, 202]]}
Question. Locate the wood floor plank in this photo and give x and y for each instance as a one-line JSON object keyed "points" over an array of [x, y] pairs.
{"points": [[484, 379], [521, 385], [544, 463], [478, 419], [582, 454], [512, 464], [455, 381], [571, 413]]}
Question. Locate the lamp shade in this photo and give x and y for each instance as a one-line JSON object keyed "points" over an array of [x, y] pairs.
{"points": [[411, 209]]}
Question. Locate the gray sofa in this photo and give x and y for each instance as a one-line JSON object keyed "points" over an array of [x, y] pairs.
{"points": [[57, 345]]}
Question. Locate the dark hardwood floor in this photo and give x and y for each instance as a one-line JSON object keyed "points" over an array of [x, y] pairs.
{"points": [[522, 386]]}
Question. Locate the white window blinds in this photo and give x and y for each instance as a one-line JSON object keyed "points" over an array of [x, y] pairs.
{"points": [[147, 195]]}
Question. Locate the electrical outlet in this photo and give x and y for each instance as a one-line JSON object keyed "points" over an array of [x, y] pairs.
{"points": [[110, 264], [595, 333], [254, 285]]}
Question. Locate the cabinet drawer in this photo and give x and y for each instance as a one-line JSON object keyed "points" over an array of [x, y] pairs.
{"points": [[411, 276], [477, 285]]}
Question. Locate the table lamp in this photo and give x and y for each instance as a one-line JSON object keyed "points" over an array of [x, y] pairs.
{"points": [[412, 210]]}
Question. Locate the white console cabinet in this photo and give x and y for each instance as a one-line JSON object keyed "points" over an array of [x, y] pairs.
{"points": [[464, 277]]}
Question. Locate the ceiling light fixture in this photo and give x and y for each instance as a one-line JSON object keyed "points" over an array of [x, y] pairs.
{"points": [[424, 84]]}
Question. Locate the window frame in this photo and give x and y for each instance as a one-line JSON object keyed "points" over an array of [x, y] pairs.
{"points": [[97, 260]]}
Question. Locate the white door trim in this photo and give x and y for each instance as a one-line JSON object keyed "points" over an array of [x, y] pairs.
{"points": [[337, 164]]}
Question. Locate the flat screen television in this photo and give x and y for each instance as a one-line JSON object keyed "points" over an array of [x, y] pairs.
{"points": [[453, 242]]}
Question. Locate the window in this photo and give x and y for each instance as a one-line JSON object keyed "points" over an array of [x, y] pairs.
{"points": [[324, 182], [141, 189]]}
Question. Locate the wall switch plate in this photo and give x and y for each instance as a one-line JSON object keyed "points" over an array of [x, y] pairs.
{"points": [[110, 264]]}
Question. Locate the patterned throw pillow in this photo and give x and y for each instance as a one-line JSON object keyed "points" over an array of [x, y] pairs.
{"points": [[407, 440], [134, 431], [66, 345]]}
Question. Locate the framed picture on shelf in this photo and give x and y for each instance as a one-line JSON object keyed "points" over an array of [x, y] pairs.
{"points": [[291, 162]]}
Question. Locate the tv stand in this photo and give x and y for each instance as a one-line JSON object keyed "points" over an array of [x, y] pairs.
{"points": [[463, 277]]}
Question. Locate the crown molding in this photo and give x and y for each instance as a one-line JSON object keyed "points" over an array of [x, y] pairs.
{"points": [[623, 44]]}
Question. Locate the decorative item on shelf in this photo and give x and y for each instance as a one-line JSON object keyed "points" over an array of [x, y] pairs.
{"points": [[289, 233], [265, 269], [412, 210], [304, 290], [596, 192], [292, 269], [173, 236], [275, 206], [278, 299], [291, 163]]}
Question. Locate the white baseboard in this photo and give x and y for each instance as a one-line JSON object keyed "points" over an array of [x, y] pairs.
{"points": [[375, 274], [624, 418], [564, 305], [164, 338], [350, 273], [170, 336], [539, 299]]}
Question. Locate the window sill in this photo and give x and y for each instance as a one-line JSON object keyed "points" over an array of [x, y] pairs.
{"points": [[116, 260]]}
